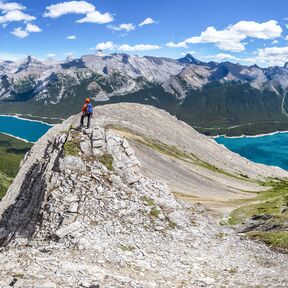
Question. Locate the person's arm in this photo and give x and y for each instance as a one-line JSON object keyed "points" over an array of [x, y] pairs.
{"points": [[84, 108]]}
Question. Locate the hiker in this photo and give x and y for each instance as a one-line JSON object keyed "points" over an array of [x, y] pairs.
{"points": [[87, 111]]}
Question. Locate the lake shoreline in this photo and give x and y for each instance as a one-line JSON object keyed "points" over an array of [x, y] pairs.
{"points": [[250, 136], [16, 137], [21, 117]]}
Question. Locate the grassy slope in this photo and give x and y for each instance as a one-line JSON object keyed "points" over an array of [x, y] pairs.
{"points": [[5, 182], [269, 210], [12, 152]]}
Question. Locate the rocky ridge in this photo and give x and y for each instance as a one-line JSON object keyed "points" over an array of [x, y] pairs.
{"points": [[82, 213]]}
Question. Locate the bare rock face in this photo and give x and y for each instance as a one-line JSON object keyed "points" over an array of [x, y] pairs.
{"points": [[86, 178], [88, 193]]}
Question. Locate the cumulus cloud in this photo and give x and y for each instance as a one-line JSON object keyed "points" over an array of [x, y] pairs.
{"points": [[177, 45], [109, 45], [78, 7], [6, 7], [20, 33], [32, 28], [23, 33], [72, 7], [96, 17], [269, 56], [125, 26], [16, 16], [105, 46], [230, 38], [222, 56], [272, 55], [71, 37], [147, 21], [138, 47]]}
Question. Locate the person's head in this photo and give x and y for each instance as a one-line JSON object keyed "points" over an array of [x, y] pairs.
{"points": [[87, 100]]}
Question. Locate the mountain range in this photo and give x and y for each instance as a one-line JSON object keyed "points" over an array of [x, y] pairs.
{"points": [[213, 97]]}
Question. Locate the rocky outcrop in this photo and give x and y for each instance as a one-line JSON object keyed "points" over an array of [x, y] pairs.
{"points": [[84, 178], [81, 213]]}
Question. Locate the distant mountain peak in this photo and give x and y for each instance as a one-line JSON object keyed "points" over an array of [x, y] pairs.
{"points": [[189, 59], [286, 65], [255, 66]]}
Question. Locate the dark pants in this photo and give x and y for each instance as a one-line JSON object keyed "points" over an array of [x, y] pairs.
{"points": [[89, 115]]}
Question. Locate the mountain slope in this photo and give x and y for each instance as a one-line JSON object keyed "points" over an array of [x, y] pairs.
{"points": [[83, 209], [209, 95]]}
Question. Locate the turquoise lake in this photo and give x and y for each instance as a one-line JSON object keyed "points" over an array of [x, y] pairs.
{"points": [[268, 149], [28, 130]]}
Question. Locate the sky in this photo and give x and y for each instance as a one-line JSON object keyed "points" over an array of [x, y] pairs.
{"points": [[240, 31]]}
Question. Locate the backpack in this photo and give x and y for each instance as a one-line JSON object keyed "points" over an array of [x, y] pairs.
{"points": [[89, 108]]}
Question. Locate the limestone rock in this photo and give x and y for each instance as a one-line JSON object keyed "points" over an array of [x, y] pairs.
{"points": [[97, 220]]}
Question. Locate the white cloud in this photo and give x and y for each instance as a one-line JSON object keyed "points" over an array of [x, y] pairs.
{"points": [[105, 46], [78, 7], [51, 55], [231, 46], [222, 56], [286, 38], [272, 55], [109, 45], [96, 17], [265, 30], [275, 42], [230, 39], [23, 33], [71, 37], [72, 7], [177, 45], [6, 7], [125, 26], [32, 28], [16, 16], [128, 27], [147, 21], [20, 33], [138, 47]]}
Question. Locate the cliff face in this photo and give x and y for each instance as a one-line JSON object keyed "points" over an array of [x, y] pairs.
{"points": [[82, 211]]}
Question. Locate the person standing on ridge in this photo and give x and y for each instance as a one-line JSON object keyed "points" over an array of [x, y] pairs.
{"points": [[87, 111]]}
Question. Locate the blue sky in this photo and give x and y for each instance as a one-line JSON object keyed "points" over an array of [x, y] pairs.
{"points": [[243, 31]]}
